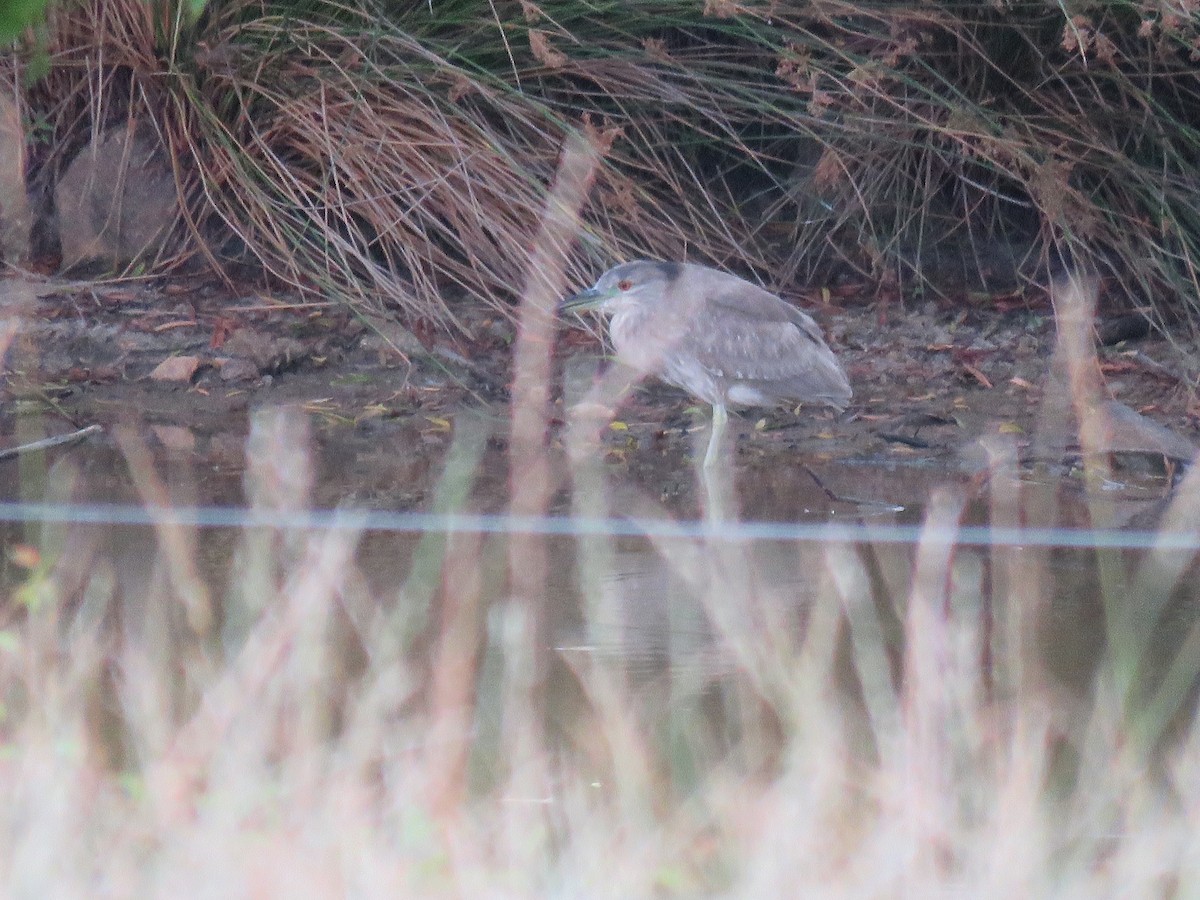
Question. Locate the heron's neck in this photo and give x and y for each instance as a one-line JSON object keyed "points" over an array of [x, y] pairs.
{"points": [[644, 336]]}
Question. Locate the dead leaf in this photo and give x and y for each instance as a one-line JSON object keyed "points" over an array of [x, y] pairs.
{"points": [[531, 11], [720, 9], [828, 170], [373, 411], [656, 48], [118, 296], [171, 326], [544, 52], [176, 368], [977, 375], [223, 327], [1117, 366]]}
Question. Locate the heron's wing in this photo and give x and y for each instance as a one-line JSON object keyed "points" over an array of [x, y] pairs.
{"points": [[740, 299], [752, 336]]}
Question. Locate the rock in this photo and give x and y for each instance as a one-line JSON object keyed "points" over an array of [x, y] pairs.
{"points": [[235, 368], [266, 351], [117, 201], [14, 202], [390, 338]]}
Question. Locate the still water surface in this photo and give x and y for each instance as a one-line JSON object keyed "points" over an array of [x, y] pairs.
{"points": [[645, 582]]}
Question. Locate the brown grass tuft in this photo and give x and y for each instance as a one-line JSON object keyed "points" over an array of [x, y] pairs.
{"points": [[402, 159]]}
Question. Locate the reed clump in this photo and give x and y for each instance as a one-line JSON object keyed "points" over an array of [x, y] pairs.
{"points": [[399, 155]]}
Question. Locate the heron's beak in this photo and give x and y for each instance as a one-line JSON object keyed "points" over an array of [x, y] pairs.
{"points": [[589, 299]]}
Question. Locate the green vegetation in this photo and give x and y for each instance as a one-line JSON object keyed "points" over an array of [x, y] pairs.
{"points": [[16, 15]]}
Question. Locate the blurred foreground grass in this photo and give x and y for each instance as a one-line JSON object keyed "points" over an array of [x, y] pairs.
{"points": [[933, 718], [230, 712]]}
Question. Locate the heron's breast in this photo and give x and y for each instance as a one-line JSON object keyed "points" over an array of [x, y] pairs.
{"points": [[647, 341]]}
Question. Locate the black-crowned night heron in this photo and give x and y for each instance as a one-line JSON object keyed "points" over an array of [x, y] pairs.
{"points": [[717, 336]]}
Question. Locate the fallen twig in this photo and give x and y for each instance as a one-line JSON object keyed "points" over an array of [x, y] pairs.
{"points": [[855, 501], [46, 443]]}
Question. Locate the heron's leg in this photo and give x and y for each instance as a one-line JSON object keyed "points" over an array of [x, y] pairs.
{"points": [[720, 417]]}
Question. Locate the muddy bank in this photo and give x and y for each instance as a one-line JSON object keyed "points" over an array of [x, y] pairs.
{"points": [[187, 361]]}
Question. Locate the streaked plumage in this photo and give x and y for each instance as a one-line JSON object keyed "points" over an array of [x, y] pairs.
{"points": [[720, 338]]}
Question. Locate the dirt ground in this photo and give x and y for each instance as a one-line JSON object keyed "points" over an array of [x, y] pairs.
{"points": [[187, 360]]}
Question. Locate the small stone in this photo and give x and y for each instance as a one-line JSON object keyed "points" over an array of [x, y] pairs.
{"points": [[237, 368], [267, 352]]}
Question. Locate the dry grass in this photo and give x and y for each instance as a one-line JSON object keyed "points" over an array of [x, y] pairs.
{"points": [[404, 159], [347, 155]]}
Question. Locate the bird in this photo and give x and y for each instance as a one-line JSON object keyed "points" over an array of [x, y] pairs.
{"points": [[722, 339]]}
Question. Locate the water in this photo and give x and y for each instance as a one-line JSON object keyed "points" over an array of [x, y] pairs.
{"points": [[342, 637], [635, 579]]}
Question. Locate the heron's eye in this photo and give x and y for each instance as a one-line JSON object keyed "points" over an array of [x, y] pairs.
{"points": [[624, 284]]}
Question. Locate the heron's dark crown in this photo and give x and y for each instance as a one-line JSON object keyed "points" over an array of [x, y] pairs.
{"points": [[648, 270]]}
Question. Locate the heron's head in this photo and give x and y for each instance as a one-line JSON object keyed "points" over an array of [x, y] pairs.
{"points": [[633, 282]]}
